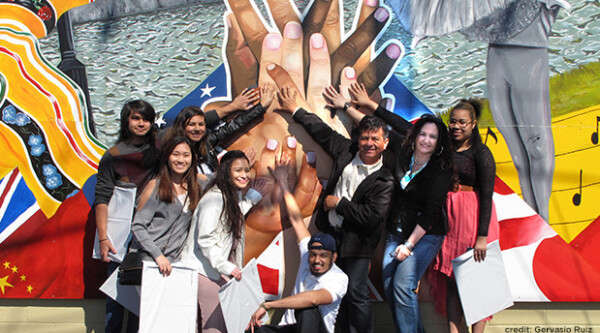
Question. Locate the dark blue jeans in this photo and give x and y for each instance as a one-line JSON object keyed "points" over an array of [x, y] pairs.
{"points": [[114, 311], [401, 279]]}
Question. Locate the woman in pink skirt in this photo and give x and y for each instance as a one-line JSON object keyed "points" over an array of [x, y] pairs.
{"points": [[472, 218]]}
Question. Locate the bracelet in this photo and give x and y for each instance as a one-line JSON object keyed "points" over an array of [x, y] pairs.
{"points": [[262, 305], [346, 106], [409, 245], [102, 240]]}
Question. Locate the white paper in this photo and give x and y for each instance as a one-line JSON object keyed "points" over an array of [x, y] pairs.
{"points": [[127, 296], [482, 286], [168, 304], [118, 227], [241, 298]]}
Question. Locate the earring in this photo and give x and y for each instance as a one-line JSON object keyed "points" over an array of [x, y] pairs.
{"points": [[440, 152]]}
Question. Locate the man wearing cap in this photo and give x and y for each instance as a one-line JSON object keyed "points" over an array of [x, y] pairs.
{"points": [[320, 284], [354, 204]]}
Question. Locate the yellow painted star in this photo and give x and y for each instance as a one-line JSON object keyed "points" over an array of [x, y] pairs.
{"points": [[4, 283], [29, 289], [23, 277], [7, 264], [14, 269]]}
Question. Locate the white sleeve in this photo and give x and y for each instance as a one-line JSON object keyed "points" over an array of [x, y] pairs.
{"points": [[208, 215], [252, 198], [337, 285]]}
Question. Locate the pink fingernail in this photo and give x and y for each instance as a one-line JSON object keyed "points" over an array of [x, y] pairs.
{"points": [[311, 157], [389, 104], [291, 142], [393, 51], [317, 41], [292, 30], [228, 22], [272, 144], [270, 66], [371, 3], [350, 73], [273, 41], [381, 14]]}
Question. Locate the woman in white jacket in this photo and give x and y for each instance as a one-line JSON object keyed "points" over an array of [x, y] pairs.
{"points": [[216, 243]]}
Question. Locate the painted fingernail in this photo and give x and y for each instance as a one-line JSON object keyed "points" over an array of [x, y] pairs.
{"points": [[270, 66], [317, 41], [273, 41], [311, 157], [350, 73], [272, 144], [381, 14], [228, 22], [291, 142], [393, 51], [371, 3], [292, 30], [389, 104]]}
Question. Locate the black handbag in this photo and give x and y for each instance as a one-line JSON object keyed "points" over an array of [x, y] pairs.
{"points": [[130, 269]]}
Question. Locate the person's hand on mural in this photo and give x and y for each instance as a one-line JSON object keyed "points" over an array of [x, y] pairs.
{"points": [[316, 40]]}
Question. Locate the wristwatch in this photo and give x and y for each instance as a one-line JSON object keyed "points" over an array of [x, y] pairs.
{"points": [[346, 106]]}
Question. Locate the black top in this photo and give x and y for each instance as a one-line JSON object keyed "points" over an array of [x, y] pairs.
{"points": [[476, 167]]}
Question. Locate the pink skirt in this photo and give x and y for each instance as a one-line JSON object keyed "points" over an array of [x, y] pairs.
{"points": [[463, 217]]}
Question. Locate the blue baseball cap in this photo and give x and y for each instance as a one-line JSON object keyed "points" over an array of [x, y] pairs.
{"points": [[327, 242]]}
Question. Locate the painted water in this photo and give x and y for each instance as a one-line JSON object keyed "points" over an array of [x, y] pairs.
{"points": [[164, 55]]}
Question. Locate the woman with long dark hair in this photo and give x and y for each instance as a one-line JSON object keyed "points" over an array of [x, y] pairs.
{"points": [[190, 122], [216, 242], [472, 218], [162, 222]]}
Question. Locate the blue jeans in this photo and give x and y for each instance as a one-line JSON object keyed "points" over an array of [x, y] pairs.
{"points": [[401, 279]]}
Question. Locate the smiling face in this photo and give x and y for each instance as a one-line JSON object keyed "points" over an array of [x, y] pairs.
{"points": [[195, 129], [137, 125], [180, 159], [239, 173], [371, 145], [426, 140], [320, 261], [461, 125]]}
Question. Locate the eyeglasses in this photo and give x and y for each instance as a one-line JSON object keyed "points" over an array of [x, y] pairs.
{"points": [[459, 122]]}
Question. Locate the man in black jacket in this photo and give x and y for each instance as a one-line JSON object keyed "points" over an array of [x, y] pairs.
{"points": [[354, 204]]}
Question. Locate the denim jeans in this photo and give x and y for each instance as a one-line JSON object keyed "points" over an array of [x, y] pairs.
{"points": [[400, 279]]}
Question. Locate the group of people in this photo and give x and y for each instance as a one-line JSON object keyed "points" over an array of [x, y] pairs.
{"points": [[425, 188]]}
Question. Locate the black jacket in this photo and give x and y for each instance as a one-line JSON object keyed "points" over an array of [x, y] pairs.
{"points": [[220, 134], [365, 213]]}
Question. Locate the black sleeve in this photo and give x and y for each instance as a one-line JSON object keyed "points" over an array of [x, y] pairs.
{"points": [[105, 180], [332, 142], [399, 124], [486, 176], [371, 211], [234, 125], [211, 119]]}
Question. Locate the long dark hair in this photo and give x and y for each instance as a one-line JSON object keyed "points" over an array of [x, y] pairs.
{"points": [[146, 110], [474, 108], [231, 209], [166, 191], [443, 146], [181, 121]]}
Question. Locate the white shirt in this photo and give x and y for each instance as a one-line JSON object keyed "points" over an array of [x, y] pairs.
{"points": [[352, 175], [334, 280]]}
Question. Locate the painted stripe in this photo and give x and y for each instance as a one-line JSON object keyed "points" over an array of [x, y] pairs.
{"points": [[519, 264]]}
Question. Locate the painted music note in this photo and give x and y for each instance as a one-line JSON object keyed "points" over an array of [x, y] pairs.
{"points": [[493, 135], [577, 196], [595, 134]]}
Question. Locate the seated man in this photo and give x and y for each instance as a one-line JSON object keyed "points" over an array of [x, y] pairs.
{"points": [[320, 284]]}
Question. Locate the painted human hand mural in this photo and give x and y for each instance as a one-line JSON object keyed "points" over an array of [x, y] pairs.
{"points": [[310, 50]]}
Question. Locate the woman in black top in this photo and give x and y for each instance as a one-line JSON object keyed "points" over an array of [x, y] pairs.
{"points": [[472, 219]]}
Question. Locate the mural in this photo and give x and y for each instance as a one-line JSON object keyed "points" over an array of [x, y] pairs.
{"points": [[207, 53]]}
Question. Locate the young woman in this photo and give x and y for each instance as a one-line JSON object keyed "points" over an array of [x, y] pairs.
{"points": [[190, 122], [162, 222], [471, 215], [215, 245], [132, 160]]}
